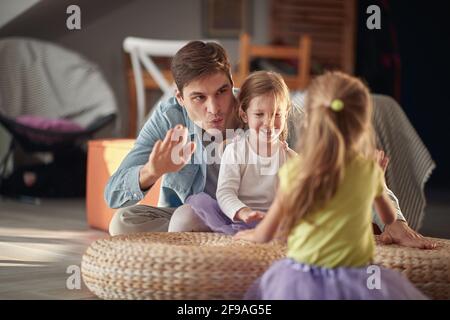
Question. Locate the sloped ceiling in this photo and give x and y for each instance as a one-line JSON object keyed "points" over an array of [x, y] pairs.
{"points": [[10, 9], [47, 18]]}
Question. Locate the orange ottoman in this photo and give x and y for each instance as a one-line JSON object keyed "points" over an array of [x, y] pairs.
{"points": [[104, 157]]}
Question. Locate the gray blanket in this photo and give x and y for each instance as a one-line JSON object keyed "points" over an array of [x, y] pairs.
{"points": [[410, 163]]}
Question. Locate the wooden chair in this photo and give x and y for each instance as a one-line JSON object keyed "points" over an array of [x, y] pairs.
{"points": [[302, 53], [139, 53]]}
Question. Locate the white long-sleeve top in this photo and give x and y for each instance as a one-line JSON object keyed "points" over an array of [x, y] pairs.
{"points": [[247, 179]]}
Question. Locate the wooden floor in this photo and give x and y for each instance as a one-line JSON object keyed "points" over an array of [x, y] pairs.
{"points": [[37, 245], [39, 242]]}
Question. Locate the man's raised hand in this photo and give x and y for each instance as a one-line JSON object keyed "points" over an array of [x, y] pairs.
{"points": [[168, 155]]}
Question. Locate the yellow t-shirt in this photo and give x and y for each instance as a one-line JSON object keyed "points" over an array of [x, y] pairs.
{"points": [[340, 233]]}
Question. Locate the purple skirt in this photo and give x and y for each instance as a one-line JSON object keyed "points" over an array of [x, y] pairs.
{"points": [[208, 210], [287, 279]]}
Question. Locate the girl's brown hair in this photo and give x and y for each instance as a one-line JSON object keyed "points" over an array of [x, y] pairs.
{"points": [[328, 140], [260, 83]]}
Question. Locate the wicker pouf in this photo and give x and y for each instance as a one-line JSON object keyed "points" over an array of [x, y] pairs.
{"points": [[174, 266], [429, 270], [213, 266]]}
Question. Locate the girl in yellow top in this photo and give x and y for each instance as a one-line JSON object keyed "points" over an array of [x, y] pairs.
{"points": [[323, 205]]}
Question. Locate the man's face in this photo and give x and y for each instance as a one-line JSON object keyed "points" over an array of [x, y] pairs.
{"points": [[209, 101]]}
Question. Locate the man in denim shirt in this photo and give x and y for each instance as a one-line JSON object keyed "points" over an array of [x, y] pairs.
{"points": [[204, 105]]}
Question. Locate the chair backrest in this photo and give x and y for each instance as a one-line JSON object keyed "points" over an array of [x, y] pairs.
{"points": [[141, 52], [302, 53]]}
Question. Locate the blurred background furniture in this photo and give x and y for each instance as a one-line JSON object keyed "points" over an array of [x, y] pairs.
{"points": [[141, 52], [52, 100], [331, 25], [298, 56]]}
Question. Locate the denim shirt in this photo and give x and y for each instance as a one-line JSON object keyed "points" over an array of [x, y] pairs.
{"points": [[123, 187]]}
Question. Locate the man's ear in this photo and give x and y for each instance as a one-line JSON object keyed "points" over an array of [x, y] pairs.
{"points": [[179, 98]]}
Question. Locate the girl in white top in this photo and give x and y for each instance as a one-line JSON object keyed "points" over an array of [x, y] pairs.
{"points": [[248, 172]]}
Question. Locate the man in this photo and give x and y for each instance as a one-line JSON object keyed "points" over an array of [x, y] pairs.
{"points": [[204, 104]]}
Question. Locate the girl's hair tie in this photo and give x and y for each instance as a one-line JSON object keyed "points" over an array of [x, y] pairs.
{"points": [[337, 105]]}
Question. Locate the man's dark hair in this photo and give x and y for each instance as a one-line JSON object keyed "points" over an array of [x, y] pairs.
{"points": [[198, 59]]}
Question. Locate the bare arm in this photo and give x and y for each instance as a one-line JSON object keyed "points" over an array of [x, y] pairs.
{"points": [[385, 209]]}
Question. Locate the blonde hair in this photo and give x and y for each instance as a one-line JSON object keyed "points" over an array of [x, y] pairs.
{"points": [[328, 140], [260, 83]]}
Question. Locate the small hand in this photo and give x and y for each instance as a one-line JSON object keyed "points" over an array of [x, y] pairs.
{"points": [[247, 215], [400, 233], [247, 235]]}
